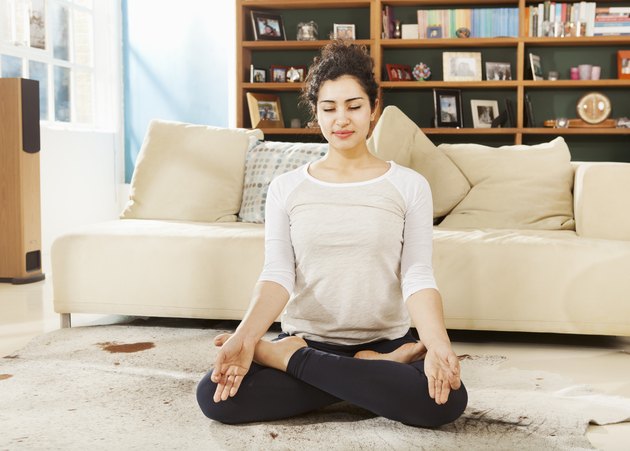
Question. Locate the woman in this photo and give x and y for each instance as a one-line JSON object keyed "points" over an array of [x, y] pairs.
{"points": [[348, 243]]}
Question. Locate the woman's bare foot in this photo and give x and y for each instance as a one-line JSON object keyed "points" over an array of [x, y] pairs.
{"points": [[407, 353], [276, 354]]}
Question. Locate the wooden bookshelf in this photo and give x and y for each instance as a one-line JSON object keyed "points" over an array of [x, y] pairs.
{"points": [[249, 51]]}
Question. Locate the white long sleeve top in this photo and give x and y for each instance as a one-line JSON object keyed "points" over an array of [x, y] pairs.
{"points": [[350, 254]]}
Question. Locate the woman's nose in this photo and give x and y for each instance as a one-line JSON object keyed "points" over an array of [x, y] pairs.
{"points": [[342, 118]]}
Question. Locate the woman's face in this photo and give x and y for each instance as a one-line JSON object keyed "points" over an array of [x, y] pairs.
{"points": [[344, 113]]}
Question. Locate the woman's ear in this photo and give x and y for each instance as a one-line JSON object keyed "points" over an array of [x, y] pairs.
{"points": [[374, 111]]}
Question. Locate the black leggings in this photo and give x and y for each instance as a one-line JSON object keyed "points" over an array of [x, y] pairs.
{"points": [[323, 374]]}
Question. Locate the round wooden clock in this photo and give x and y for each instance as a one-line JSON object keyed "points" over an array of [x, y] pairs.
{"points": [[594, 107]]}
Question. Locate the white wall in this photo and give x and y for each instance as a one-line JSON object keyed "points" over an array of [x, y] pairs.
{"points": [[79, 181]]}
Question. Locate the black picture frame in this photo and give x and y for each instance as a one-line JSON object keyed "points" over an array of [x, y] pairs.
{"points": [[529, 112], [447, 105], [257, 74], [267, 27]]}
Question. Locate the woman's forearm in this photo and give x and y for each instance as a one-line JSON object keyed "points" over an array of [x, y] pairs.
{"points": [[425, 309], [268, 301]]}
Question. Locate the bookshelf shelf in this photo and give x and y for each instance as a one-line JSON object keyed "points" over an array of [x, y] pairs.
{"points": [[449, 84], [543, 94]]}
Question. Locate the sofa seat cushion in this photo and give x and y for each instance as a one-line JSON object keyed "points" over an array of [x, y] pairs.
{"points": [[189, 172], [538, 281], [514, 187], [158, 268]]}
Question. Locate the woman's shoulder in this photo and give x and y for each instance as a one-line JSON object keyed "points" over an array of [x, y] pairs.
{"points": [[408, 176], [287, 181]]}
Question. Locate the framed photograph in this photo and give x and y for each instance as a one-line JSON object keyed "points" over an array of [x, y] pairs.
{"points": [[536, 67], [267, 27], [623, 64], [257, 75], [484, 112], [498, 71], [462, 66], [529, 112], [343, 31], [399, 72], [296, 74], [447, 104], [511, 114], [278, 74], [434, 32], [264, 110]]}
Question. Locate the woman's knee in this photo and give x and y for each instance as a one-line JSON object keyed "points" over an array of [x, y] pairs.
{"points": [[223, 412], [439, 415]]}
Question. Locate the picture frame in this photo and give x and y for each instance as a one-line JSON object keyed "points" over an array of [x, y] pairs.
{"points": [[498, 71], [461, 66], [434, 32], [267, 26], [511, 114], [529, 112], [535, 66], [484, 112], [447, 105], [344, 31], [399, 72], [257, 74], [296, 74], [278, 74], [265, 110], [623, 64]]}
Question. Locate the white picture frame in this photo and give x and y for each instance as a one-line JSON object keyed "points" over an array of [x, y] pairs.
{"points": [[484, 112], [344, 31], [461, 66]]}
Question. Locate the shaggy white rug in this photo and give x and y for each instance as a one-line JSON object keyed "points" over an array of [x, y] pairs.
{"points": [[78, 389]]}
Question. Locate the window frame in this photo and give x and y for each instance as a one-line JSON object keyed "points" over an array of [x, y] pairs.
{"points": [[104, 67]]}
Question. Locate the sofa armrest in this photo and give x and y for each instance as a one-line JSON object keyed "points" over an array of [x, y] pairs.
{"points": [[601, 200]]}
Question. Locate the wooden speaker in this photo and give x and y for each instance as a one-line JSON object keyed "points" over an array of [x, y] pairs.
{"points": [[20, 210]]}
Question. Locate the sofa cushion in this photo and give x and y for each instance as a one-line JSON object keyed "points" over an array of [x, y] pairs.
{"points": [[514, 187], [398, 138], [264, 162], [189, 172]]}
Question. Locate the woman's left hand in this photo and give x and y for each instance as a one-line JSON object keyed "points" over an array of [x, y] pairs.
{"points": [[441, 367]]}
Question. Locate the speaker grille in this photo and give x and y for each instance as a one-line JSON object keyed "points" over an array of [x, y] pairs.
{"points": [[30, 116]]}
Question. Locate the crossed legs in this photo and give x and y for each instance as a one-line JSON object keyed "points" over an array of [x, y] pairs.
{"points": [[293, 377]]}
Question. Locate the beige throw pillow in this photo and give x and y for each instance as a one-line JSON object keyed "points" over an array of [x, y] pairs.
{"points": [[514, 187], [189, 172], [398, 138]]}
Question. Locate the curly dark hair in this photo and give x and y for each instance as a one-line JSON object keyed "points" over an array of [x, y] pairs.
{"points": [[336, 59]]}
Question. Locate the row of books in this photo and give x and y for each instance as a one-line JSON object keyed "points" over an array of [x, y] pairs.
{"points": [[559, 19], [482, 22], [612, 21]]}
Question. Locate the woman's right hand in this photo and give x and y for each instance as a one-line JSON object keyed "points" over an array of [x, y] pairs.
{"points": [[231, 364]]}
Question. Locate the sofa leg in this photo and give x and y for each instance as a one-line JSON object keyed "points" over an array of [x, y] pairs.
{"points": [[66, 321]]}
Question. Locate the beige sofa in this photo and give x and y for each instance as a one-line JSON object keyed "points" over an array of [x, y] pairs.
{"points": [[526, 240]]}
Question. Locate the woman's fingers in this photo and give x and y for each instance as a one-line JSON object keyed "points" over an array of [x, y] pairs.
{"points": [[445, 390], [236, 386], [431, 385]]}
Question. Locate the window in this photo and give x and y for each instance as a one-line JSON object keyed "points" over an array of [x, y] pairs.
{"points": [[53, 41]]}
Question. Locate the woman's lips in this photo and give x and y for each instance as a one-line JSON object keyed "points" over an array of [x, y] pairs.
{"points": [[343, 134]]}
